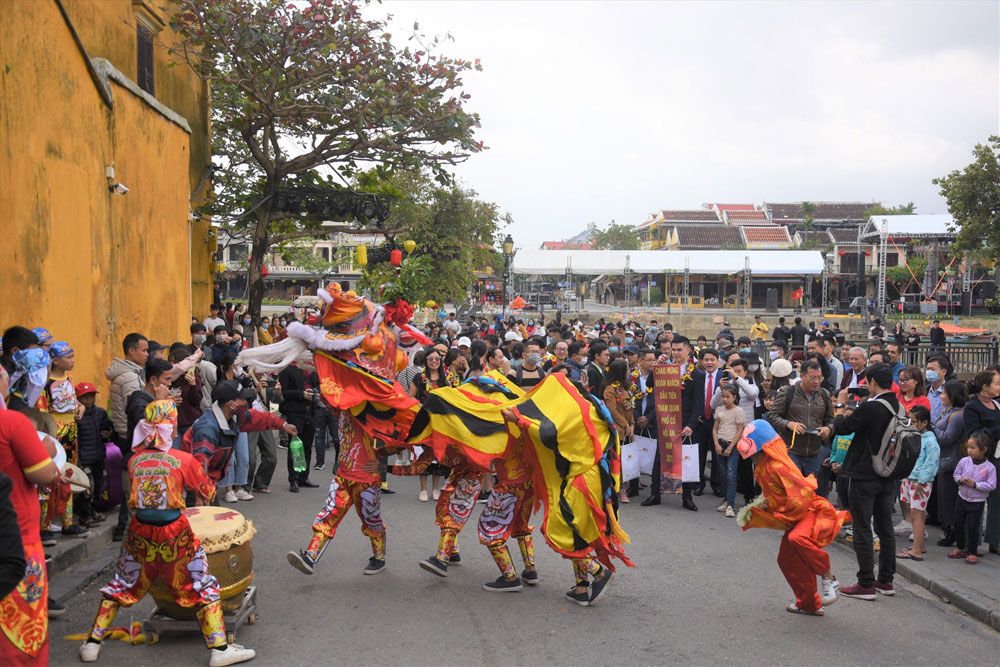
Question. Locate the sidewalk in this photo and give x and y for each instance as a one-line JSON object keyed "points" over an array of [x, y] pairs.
{"points": [[78, 561], [975, 589]]}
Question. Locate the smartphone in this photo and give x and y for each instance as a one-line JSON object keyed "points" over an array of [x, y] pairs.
{"points": [[858, 392], [812, 431]]}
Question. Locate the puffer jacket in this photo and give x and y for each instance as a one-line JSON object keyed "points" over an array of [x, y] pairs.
{"points": [[88, 429], [126, 379]]}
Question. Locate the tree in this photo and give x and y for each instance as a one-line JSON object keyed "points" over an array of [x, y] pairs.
{"points": [[903, 209], [312, 85], [615, 237], [306, 258], [806, 211], [973, 196]]}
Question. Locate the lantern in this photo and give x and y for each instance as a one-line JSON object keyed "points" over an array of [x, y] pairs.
{"points": [[396, 257], [362, 255], [410, 246], [264, 272]]}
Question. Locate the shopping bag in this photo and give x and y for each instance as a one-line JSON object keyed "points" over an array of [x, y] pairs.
{"points": [[689, 463], [630, 462], [647, 451]]}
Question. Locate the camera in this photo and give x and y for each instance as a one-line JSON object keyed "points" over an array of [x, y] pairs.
{"points": [[118, 189], [858, 392]]}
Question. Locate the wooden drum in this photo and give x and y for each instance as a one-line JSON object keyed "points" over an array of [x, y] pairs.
{"points": [[226, 536]]}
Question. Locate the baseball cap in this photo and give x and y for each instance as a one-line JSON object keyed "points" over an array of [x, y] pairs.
{"points": [[84, 388], [724, 344], [155, 347], [512, 336], [631, 349], [230, 390], [464, 340], [826, 324], [725, 324], [781, 368]]}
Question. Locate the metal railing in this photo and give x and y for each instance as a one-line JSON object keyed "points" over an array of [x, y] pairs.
{"points": [[967, 357]]}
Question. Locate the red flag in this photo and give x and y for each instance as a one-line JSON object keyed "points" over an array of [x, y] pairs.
{"points": [[797, 294]]}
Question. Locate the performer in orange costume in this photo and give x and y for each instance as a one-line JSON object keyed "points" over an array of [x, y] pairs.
{"points": [[159, 541], [789, 503]]}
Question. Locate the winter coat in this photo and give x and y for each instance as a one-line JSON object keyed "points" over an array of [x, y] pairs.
{"points": [[89, 441], [126, 379]]}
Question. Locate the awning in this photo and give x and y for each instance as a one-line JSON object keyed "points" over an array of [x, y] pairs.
{"points": [[615, 262], [910, 226]]}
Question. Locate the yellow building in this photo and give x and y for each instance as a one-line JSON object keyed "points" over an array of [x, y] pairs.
{"points": [[88, 102]]}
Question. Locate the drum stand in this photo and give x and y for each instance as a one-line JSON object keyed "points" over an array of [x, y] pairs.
{"points": [[246, 613]]}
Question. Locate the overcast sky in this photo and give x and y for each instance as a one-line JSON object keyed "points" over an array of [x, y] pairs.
{"points": [[596, 111]]}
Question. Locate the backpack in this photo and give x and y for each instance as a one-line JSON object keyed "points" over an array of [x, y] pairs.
{"points": [[900, 446]]}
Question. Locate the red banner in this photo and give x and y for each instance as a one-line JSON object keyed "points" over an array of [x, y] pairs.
{"points": [[669, 423]]}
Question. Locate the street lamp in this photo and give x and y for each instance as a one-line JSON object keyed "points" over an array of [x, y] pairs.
{"points": [[508, 250]]}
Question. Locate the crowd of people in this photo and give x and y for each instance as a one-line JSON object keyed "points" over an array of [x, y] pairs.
{"points": [[829, 400]]}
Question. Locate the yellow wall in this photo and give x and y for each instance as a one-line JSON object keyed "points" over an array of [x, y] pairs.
{"points": [[88, 265]]}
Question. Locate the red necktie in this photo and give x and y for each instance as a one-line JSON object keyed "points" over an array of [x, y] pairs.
{"points": [[708, 398]]}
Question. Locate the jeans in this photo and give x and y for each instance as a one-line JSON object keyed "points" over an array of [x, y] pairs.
{"points": [[705, 444], [808, 465], [823, 478], [732, 464], [239, 464], [262, 441], [325, 425], [871, 499]]}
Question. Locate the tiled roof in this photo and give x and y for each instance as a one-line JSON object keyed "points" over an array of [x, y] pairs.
{"points": [[845, 235], [773, 235], [824, 211], [698, 215], [735, 207], [708, 237], [563, 245], [815, 237], [743, 217]]}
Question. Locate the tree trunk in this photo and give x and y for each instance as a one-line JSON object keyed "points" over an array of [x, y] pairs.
{"points": [[258, 251]]}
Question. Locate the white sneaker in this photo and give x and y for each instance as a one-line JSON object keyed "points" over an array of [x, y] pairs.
{"points": [[911, 535], [902, 527], [242, 494], [422, 496], [436, 494], [89, 652], [829, 591], [722, 507], [234, 653], [230, 496], [730, 512]]}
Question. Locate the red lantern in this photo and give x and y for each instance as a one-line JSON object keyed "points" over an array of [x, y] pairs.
{"points": [[396, 257], [842, 253], [264, 272]]}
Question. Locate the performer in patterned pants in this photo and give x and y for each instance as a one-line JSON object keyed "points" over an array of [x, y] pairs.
{"points": [[507, 512], [356, 483], [160, 542]]}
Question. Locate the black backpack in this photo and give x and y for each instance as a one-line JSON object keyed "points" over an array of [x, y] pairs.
{"points": [[900, 446]]}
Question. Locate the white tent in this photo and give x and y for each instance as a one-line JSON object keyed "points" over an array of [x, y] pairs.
{"points": [[910, 225], [615, 262]]}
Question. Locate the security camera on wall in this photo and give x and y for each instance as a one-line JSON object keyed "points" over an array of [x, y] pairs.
{"points": [[118, 189]]}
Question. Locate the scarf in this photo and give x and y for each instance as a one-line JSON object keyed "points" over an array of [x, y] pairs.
{"points": [[157, 429], [30, 374], [42, 334], [60, 349]]}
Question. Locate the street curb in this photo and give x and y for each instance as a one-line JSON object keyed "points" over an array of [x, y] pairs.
{"points": [[949, 594], [68, 583], [72, 550]]}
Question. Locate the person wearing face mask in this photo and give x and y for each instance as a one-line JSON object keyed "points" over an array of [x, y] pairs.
{"points": [[264, 336], [743, 346], [529, 372], [212, 438]]}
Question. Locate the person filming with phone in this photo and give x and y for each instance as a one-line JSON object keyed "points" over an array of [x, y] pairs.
{"points": [[802, 415]]}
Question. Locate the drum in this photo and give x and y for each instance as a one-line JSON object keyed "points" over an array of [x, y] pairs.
{"points": [[226, 536]]}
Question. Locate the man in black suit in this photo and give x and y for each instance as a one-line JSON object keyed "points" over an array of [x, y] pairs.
{"points": [[644, 412], [680, 354], [297, 407], [870, 496], [702, 419]]}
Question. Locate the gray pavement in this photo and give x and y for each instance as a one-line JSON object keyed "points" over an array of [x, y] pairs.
{"points": [[702, 592]]}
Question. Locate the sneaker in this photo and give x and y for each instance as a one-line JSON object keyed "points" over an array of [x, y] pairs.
{"points": [[902, 527], [230, 496], [436, 494], [829, 591], [597, 586], [483, 496], [387, 491], [501, 585], [530, 577], [49, 538], [233, 654], [89, 651], [722, 507], [319, 466], [795, 610], [243, 495], [434, 566], [422, 496], [301, 561], [375, 565], [455, 559], [858, 591], [55, 609], [582, 599], [885, 589], [282, 445], [925, 536], [75, 530], [730, 512]]}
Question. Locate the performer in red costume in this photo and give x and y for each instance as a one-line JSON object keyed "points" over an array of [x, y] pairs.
{"points": [[357, 483], [160, 542], [789, 503]]}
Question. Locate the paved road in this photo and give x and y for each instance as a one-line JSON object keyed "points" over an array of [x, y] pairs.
{"points": [[702, 592]]}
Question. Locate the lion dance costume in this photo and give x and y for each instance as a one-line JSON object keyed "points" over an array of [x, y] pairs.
{"points": [[789, 503], [556, 446], [159, 541]]}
